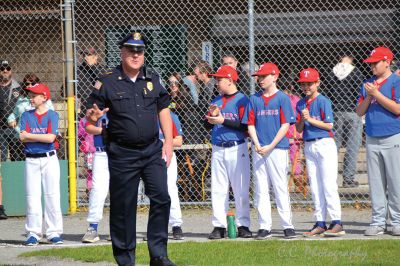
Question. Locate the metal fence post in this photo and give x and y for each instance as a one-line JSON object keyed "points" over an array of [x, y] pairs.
{"points": [[69, 66], [251, 44]]}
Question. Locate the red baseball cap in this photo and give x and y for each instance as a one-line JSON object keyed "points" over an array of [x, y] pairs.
{"points": [[40, 88], [226, 72], [267, 69], [308, 75], [378, 54]]}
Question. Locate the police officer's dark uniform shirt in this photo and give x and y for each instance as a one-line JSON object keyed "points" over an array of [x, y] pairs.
{"points": [[133, 106]]}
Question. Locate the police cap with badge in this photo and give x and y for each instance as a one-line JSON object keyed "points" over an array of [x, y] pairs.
{"points": [[134, 41]]}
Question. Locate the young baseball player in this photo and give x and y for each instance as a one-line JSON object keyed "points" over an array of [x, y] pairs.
{"points": [[268, 116], [39, 128], [380, 102], [175, 214], [230, 157], [315, 120], [100, 180]]}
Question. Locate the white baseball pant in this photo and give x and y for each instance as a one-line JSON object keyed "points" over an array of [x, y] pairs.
{"points": [[230, 165], [322, 168], [100, 186], [272, 169], [175, 214], [44, 172]]}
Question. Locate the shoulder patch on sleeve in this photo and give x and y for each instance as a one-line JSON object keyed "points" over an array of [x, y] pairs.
{"points": [[98, 85]]}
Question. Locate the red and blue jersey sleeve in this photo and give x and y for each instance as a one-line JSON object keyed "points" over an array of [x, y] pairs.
{"points": [[362, 95], [326, 111], [23, 124], [243, 103], [248, 115], [286, 111], [176, 125], [52, 127]]}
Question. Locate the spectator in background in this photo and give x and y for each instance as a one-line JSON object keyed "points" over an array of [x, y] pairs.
{"points": [[243, 83], [87, 73], [343, 89], [23, 104], [3, 214], [295, 139], [207, 87], [190, 81], [9, 93], [245, 69], [182, 102]]}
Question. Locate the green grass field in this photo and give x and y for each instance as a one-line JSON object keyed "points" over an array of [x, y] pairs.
{"points": [[270, 252]]}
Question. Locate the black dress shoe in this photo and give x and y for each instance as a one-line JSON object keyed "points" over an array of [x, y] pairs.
{"points": [[244, 232], [217, 233], [161, 261]]}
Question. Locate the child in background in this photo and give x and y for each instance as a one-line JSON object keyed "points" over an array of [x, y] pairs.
{"points": [[295, 140], [100, 180], [87, 147]]}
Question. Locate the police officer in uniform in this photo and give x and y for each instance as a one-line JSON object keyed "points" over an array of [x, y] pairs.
{"points": [[133, 98]]}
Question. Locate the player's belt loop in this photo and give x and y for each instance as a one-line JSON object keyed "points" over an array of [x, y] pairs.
{"points": [[100, 149]]}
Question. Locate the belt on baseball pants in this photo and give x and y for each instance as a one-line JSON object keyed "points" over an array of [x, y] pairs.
{"points": [[40, 155], [228, 144], [100, 149]]}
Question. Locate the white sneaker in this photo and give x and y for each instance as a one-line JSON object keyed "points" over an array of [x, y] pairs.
{"points": [[91, 236], [374, 231]]}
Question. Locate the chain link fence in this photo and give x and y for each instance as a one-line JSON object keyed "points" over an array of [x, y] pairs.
{"points": [[189, 39], [31, 51]]}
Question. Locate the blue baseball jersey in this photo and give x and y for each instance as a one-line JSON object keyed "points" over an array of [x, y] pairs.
{"points": [[320, 108], [34, 123], [268, 114], [98, 139], [380, 122], [176, 127], [232, 108]]}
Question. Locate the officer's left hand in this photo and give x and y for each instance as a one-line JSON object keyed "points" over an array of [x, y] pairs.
{"points": [[215, 120], [167, 152]]}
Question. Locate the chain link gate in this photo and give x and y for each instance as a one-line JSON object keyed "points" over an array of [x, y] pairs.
{"points": [[190, 39], [31, 49]]}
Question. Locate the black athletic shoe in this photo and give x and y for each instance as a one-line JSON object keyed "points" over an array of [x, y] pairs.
{"points": [[350, 184], [244, 232], [217, 233], [3, 214], [263, 234], [177, 233], [289, 233]]}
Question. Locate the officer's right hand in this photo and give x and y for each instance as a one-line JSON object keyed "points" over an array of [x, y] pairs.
{"points": [[94, 114]]}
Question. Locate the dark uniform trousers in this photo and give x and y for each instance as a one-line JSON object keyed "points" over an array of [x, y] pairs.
{"points": [[127, 165]]}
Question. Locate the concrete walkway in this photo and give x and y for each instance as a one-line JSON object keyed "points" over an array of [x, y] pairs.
{"points": [[197, 225]]}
